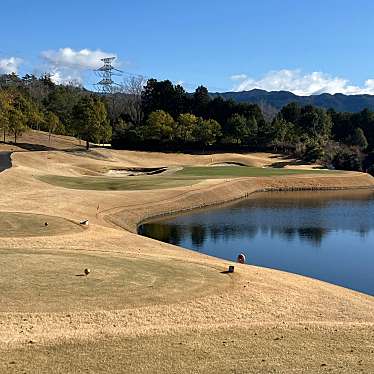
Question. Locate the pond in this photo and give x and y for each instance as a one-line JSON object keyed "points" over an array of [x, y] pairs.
{"points": [[323, 235], [5, 161]]}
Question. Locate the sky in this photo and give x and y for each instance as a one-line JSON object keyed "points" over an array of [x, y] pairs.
{"points": [[303, 46]]}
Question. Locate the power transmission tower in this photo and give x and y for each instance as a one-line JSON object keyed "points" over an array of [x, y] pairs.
{"points": [[107, 85]]}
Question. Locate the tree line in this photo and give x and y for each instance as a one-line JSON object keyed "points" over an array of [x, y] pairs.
{"points": [[39, 104], [158, 115]]}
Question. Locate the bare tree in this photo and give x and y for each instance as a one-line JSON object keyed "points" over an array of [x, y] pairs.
{"points": [[133, 87], [268, 111]]}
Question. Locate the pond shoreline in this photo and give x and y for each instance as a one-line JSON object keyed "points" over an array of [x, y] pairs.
{"points": [[324, 235], [5, 161], [219, 204], [234, 190]]}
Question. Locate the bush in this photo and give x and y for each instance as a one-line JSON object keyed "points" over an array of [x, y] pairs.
{"points": [[348, 159]]}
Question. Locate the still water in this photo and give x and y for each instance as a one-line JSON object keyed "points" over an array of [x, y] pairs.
{"points": [[323, 235]]}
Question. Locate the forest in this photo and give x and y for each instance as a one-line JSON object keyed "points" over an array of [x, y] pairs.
{"points": [[158, 115]]}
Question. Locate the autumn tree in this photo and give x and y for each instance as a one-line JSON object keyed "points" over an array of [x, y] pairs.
{"points": [[52, 123], [17, 124]]}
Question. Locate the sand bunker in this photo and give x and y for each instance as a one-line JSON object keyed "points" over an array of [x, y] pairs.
{"points": [[130, 172], [229, 163], [28, 224]]}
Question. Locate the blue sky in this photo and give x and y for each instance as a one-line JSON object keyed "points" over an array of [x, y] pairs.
{"points": [[306, 46]]}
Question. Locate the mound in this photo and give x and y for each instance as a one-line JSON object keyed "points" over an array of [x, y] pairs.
{"points": [[115, 183], [28, 224], [54, 281]]}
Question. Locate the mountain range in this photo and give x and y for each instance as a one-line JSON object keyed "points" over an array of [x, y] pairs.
{"points": [[278, 99]]}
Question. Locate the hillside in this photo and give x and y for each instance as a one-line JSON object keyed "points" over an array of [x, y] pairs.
{"points": [[148, 306], [278, 99]]}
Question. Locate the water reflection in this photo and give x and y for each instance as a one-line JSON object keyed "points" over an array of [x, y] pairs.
{"points": [[199, 234], [281, 230]]}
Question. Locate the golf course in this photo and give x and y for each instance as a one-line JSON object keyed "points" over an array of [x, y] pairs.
{"points": [[150, 307]]}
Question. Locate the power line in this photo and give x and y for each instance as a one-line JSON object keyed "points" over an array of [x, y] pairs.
{"points": [[106, 84]]}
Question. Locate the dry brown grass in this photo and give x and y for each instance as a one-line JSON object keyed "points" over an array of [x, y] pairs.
{"points": [[15, 224], [54, 281], [193, 319], [256, 349]]}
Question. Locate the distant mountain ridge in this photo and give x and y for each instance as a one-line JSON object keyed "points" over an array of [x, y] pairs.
{"points": [[278, 99]]}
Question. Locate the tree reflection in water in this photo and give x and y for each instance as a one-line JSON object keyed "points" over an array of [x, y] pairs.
{"points": [[284, 231]]}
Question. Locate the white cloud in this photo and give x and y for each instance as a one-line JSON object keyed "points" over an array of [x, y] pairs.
{"points": [[238, 77], [67, 65], [10, 65], [302, 84], [80, 60], [64, 77]]}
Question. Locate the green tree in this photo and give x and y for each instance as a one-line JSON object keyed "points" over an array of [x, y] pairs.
{"points": [[53, 123], [160, 126], [20, 114], [315, 122], [200, 101], [126, 133], [5, 107], [17, 124], [207, 132], [348, 159], [237, 128], [91, 121], [359, 138], [35, 117], [186, 125], [291, 112], [61, 101], [241, 129], [164, 96]]}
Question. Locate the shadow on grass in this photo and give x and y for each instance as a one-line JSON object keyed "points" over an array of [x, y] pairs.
{"points": [[282, 164]]}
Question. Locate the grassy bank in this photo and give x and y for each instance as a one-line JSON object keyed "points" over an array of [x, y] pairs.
{"points": [[209, 172], [27, 224], [186, 177]]}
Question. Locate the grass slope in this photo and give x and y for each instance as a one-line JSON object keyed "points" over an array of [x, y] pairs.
{"points": [[260, 349], [185, 177], [53, 281], [115, 183], [28, 224], [240, 171]]}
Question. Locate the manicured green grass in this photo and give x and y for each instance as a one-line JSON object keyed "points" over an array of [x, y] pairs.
{"points": [[240, 171], [116, 183], [185, 177]]}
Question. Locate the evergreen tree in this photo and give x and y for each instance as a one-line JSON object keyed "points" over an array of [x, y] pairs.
{"points": [[160, 126], [359, 138], [91, 121], [207, 132]]}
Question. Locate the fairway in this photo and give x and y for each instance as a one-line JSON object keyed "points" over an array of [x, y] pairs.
{"points": [[240, 171], [188, 176], [28, 224], [116, 183], [53, 281]]}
